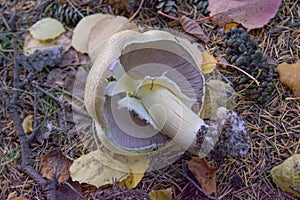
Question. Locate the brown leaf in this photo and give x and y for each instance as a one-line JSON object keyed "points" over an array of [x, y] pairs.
{"points": [[290, 76], [250, 13], [192, 27], [204, 173], [14, 196], [66, 192], [55, 159]]}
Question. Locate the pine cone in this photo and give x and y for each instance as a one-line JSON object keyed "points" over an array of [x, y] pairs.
{"points": [[237, 182], [242, 51], [167, 6], [65, 13], [201, 5]]}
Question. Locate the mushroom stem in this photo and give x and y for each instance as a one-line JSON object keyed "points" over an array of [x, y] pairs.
{"points": [[174, 118]]}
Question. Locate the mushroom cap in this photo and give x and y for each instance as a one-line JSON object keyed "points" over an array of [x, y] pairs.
{"points": [[153, 54]]}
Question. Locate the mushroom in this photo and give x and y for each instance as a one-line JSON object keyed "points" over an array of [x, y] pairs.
{"points": [[145, 91]]}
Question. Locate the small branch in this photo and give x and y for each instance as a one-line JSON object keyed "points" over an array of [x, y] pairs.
{"points": [[26, 166], [137, 11], [24, 143]]}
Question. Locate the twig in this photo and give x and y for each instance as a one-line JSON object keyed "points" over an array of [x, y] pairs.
{"points": [[137, 11], [26, 166]]}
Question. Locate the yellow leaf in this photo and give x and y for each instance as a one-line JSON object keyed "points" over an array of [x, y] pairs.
{"points": [[46, 29], [97, 168], [27, 124], [209, 63], [137, 164], [165, 194], [287, 174], [230, 26], [132, 180], [290, 75], [218, 94]]}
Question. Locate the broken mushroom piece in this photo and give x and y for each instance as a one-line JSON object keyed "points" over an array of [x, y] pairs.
{"points": [[145, 92]]}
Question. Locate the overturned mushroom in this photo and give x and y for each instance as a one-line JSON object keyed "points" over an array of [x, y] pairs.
{"points": [[145, 91]]}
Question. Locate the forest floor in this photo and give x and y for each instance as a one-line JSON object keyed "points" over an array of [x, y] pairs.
{"points": [[274, 128]]}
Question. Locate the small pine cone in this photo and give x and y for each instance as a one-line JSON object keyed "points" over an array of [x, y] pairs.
{"points": [[237, 182], [65, 13], [201, 5], [168, 7]]}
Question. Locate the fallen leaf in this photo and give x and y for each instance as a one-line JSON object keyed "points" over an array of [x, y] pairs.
{"points": [[73, 58], [14, 196], [290, 75], [204, 173], [209, 63], [287, 174], [46, 29], [27, 124], [31, 44], [192, 27], [55, 160], [64, 191], [229, 26], [132, 180], [219, 94], [137, 164], [82, 30], [250, 13], [165, 194], [98, 169], [49, 57], [99, 34]]}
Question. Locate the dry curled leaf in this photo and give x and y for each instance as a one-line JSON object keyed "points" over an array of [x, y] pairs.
{"points": [[287, 174], [204, 173], [250, 13], [55, 160], [27, 124], [47, 29], [192, 27], [165, 194], [290, 75]]}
